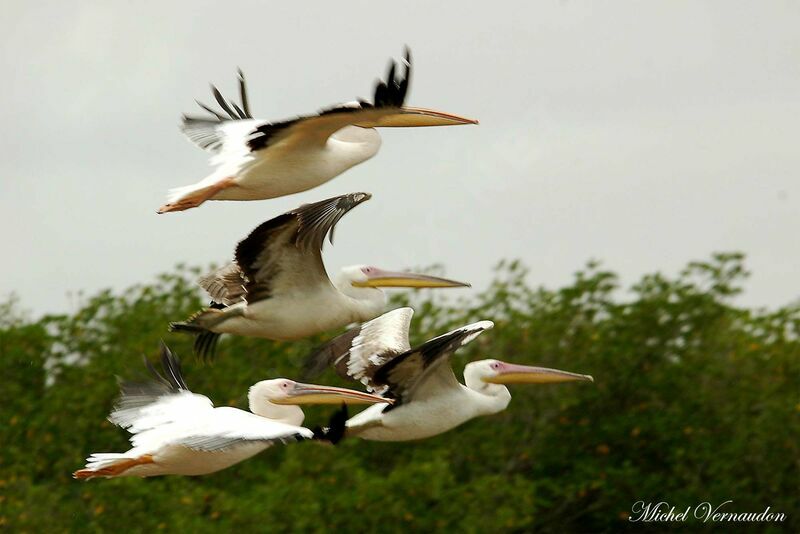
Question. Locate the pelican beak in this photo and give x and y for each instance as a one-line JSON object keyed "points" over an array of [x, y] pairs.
{"points": [[510, 373], [381, 278], [417, 117], [314, 394]]}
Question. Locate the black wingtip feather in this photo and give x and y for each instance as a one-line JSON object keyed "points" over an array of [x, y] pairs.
{"points": [[318, 219], [336, 429], [392, 91], [172, 377], [235, 111], [239, 111], [243, 95], [329, 354], [207, 108], [172, 368], [222, 103], [154, 372], [185, 327], [205, 346], [386, 94]]}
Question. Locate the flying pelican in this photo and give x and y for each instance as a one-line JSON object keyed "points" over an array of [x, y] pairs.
{"points": [[277, 287], [177, 432], [257, 159], [428, 399]]}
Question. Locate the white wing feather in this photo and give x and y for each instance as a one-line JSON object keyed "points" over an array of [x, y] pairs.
{"points": [[190, 419], [385, 336], [217, 429]]}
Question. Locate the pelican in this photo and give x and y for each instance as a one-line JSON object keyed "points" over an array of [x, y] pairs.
{"points": [[256, 159], [427, 398], [177, 432], [277, 287]]}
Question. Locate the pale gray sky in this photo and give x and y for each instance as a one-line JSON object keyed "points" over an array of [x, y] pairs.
{"points": [[641, 134]]}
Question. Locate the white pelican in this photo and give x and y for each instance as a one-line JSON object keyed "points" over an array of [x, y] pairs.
{"points": [[257, 159], [177, 432], [428, 399], [277, 287]]}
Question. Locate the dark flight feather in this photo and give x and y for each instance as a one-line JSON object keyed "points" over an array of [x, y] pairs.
{"points": [[205, 132], [139, 394]]}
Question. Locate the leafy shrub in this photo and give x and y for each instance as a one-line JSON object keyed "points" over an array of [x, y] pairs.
{"points": [[695, 400]]}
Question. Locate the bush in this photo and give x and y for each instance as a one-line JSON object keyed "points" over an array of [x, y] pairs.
{"points": [[695, 400]]}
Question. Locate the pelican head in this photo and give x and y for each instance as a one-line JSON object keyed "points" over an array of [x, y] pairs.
{"points": [[499, 372], [285, 391], [278, 399]]}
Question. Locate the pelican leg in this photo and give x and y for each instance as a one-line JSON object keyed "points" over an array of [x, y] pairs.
{"points": [[198, 197], [115, 469]]}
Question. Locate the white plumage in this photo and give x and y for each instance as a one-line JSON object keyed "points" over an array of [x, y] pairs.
{"points": [[177, 432], [375, 339], [428, 399], [277, 286], [257, 159]]}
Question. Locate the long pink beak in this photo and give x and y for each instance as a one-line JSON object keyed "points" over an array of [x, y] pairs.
{"points": [[316, 394], [510, 373], [381, 278]]}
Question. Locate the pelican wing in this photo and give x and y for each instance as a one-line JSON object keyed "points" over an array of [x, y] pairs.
{"points": [[284, 253], [227, 428], [231, 427], [226, 285], [216, 132], [210, 133], [143, 406], [163, 411], [360, 352], [407, 376]]}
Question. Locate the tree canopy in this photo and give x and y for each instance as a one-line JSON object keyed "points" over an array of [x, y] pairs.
{"points": [[695, 400]]}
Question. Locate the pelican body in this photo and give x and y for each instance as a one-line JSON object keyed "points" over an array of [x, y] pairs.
{"points": [[277, 287], [177, 432], [256, 159], [426, 397]]}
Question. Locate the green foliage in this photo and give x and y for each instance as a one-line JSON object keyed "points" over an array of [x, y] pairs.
{"points": [[695, 400]]}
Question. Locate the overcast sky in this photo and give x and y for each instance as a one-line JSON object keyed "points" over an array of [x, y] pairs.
{"points": [[641, 134]]}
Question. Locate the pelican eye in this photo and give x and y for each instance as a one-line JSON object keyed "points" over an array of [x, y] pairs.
{"points": [[495, 365]]}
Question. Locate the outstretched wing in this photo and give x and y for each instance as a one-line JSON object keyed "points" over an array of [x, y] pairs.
{"points": [[163, 411], [409, 375], [209, 133], [281, 255], [227, 428], [165, 398], [235, 427], [284, 254], [360, 352], [214, 132], [226, 285]]}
